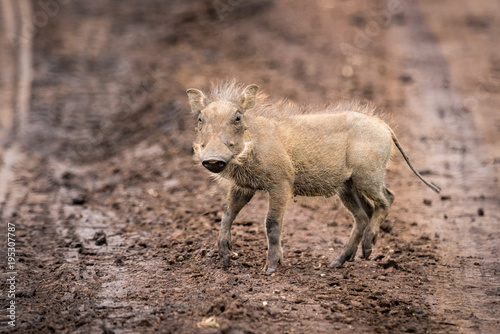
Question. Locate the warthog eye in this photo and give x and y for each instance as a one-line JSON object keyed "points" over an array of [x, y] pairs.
{"points": [[200, 120], [237, 119]]}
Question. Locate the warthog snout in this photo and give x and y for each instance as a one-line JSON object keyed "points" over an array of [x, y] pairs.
{"points": [[214, 165]]}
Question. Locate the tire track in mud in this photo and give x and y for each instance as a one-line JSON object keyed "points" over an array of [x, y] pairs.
{"points": [[7, 82], [61, 232], [16, 117], [16, 55], [466, 287]]}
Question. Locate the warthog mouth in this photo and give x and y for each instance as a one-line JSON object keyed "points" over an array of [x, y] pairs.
{"points": [[217, 165]]}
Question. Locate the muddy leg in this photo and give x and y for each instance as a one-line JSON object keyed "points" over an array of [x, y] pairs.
{"points": [[278, 201], [236, 200], [358, 206], [382, 204]]}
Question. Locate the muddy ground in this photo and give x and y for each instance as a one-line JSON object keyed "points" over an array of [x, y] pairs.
{"points": [[116, 224]]}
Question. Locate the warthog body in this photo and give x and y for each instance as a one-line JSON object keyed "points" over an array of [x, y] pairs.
{"points": [[290, 151]]}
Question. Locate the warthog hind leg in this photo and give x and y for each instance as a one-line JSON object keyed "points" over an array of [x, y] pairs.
{"points": [[362, 211], [382, 203]]}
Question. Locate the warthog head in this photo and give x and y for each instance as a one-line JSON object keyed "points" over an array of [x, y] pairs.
{"points": [[222, 136]]}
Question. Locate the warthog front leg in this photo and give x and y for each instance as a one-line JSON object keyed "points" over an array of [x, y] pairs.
{"points": [[278, 201], [237, 198]]}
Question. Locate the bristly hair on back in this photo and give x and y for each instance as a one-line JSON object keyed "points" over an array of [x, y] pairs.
{"points": [[231, 90]]}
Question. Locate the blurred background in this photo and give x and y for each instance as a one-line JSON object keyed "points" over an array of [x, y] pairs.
{"points": [[117, 223]]}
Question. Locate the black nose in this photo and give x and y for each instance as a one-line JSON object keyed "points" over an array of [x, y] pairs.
{"points": [[215, 166]]}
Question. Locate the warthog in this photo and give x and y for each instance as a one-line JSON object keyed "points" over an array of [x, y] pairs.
{"points": [[287, 151]]}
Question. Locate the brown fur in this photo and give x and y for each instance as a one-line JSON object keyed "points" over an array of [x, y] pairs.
{"points": [[289, 150]]}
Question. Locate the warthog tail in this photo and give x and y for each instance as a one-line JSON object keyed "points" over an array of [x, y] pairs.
{"points": [[429, 184]]}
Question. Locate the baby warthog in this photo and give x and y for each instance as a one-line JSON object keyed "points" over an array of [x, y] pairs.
{"points": [[285, 150]]}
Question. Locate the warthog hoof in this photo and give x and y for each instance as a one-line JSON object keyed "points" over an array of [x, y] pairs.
{"points": [[367, 246], [335, 264], [346, 256], [267, 270], [225, 251], [366, 252], [226, 257], [270, 271]]}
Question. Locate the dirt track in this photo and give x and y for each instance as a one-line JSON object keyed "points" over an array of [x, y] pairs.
{"points": [[116, 225]]}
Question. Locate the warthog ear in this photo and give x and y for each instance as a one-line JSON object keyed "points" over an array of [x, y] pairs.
{"points": [[197, 99], [248, 97]]}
